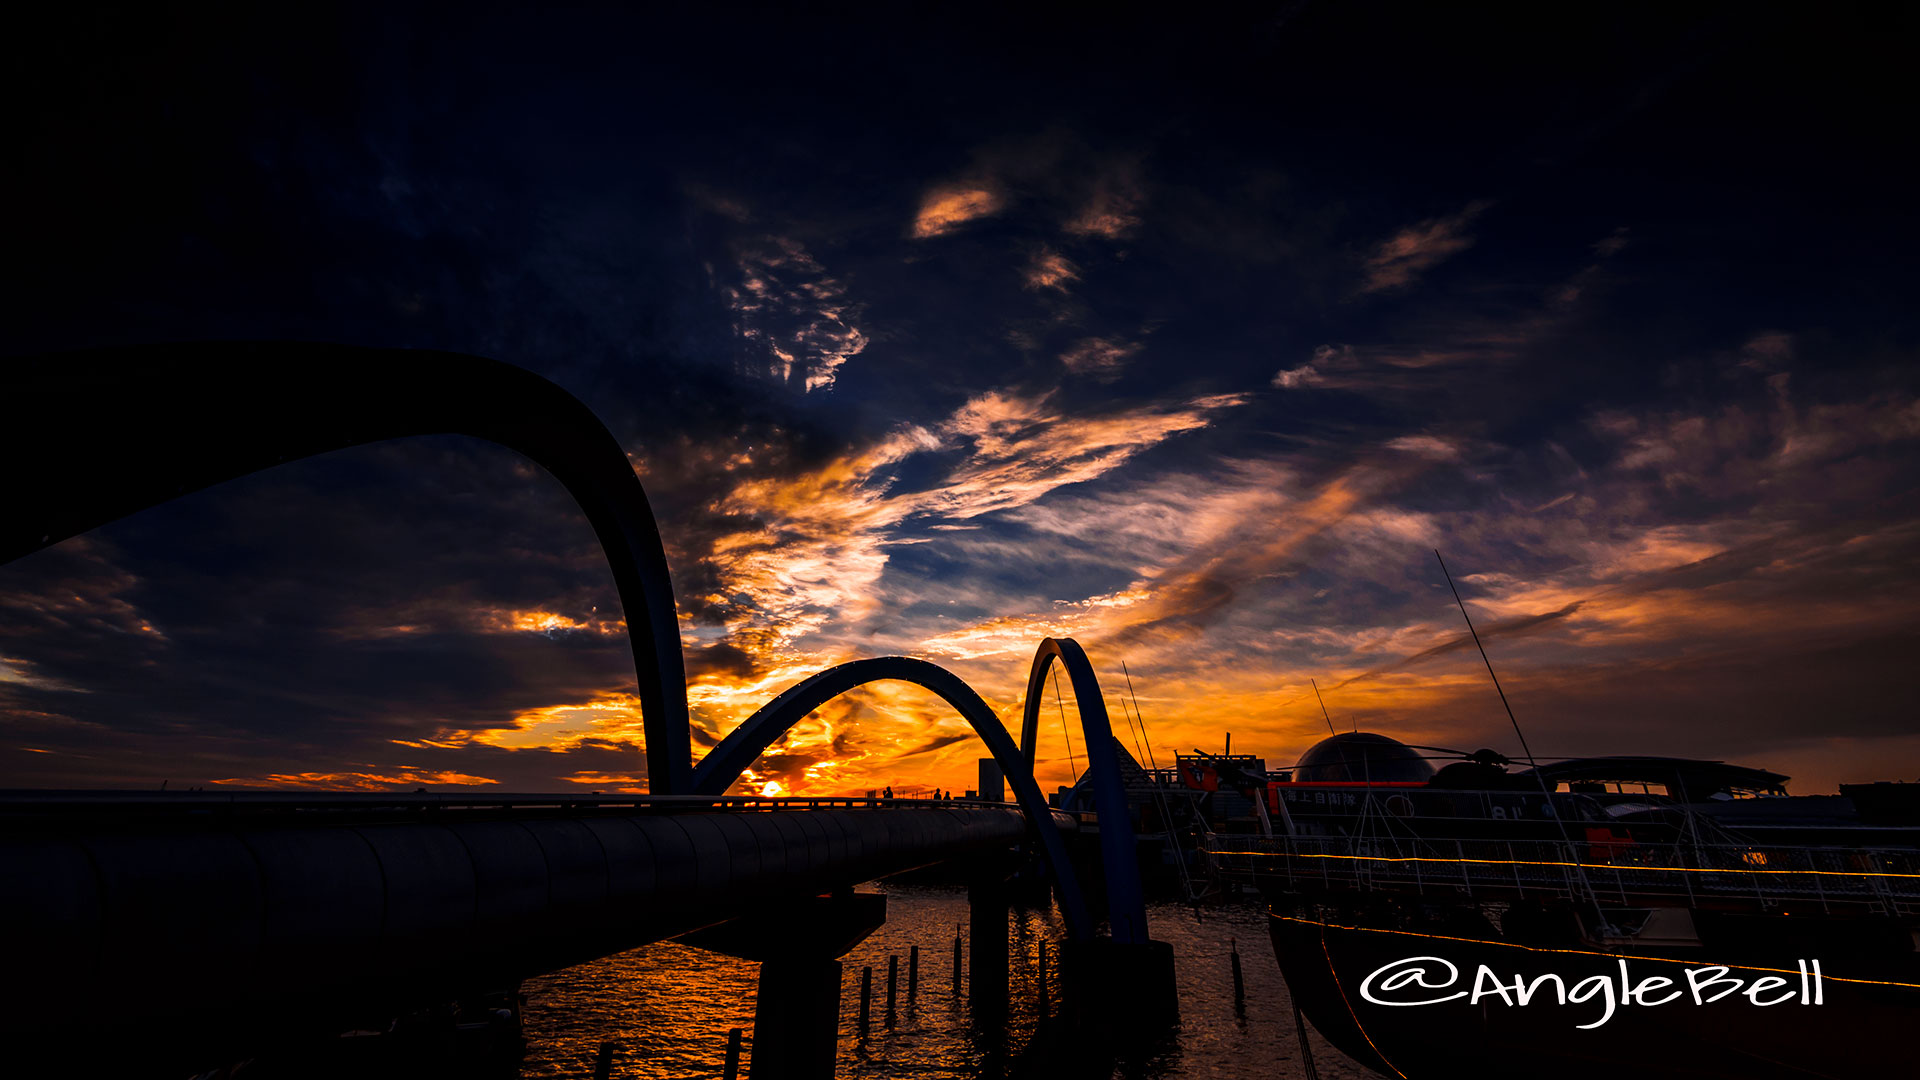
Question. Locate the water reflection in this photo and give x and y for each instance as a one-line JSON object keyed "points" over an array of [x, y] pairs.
{"points": [[669, 1007]]}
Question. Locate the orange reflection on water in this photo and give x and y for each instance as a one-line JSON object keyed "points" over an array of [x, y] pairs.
{"points": [[669, 1007]]}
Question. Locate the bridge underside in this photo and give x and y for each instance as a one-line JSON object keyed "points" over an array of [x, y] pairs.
{"points": [[231, 925]]}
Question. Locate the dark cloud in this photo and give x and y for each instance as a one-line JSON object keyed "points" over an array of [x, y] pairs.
{"points": [[721, 659], [938, 743]]}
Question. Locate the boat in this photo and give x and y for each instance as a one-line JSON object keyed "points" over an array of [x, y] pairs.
{"points": [[1652, 916]]}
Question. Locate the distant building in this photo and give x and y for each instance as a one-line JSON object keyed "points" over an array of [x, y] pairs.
{"points": [[993, 787]]}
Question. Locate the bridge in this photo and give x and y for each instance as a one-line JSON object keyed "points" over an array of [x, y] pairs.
{"points": [[250, 916]]}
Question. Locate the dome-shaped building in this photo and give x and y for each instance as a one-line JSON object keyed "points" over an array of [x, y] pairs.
{"points": [[1361, 757]]}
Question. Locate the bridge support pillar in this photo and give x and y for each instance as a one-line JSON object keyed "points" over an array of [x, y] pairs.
{"points": [[796, 1015], [796, 1020], [988, 897]]}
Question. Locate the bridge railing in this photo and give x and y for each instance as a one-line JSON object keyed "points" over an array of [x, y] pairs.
{"points": [[1883, 878], [19, 802]]}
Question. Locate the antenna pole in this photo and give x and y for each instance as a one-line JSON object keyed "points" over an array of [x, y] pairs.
{"points": [[1541, 780], [1148, 739], [1489, 663], [1323, 707], [1166, 811]]}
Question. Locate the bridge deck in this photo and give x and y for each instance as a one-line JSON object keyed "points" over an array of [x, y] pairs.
{"points": [[237, 908]]}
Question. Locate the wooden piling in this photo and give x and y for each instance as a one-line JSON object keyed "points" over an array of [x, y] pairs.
{"points": [[913, 974], [603, 1065], [956, 960], [866, 997], [733, 1055], [1239, 984]]}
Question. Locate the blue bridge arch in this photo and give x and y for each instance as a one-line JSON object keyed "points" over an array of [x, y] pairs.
{"points": [[743, 746], [1126, 914]]}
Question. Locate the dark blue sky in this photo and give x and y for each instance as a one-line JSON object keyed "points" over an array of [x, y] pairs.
{"points": [[932, 332]]}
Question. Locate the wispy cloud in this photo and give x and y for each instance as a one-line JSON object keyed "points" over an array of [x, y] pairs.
{"points": [[1025, 446], [795, 319], [1199, 542], [1411, 252], [1426, 356], [358, 781], [23, 672], [1098, 357], [1486, 631]]}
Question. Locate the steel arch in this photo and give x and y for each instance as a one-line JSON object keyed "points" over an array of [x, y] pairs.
{"points": [[113, 431], [1126, 904], [743, 746]]}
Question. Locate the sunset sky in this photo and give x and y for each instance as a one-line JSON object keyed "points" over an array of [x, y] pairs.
{"points": [[1189, 337]]}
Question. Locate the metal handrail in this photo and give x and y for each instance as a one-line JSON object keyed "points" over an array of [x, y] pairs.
{"points": [[27, 799]]}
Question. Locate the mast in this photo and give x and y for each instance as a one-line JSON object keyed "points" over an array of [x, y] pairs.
{"points": [[1323, 707], [1565, 836]]}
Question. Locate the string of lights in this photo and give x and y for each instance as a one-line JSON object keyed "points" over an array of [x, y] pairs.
{"points": [[1550, 862], [1358, 1026]]}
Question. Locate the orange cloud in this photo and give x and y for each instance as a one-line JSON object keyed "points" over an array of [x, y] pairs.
{"points": [[609, 717], [358, 781], [1112, 211], [1050, 270], [821, 543], [944, 209], [537, 621], [22, 672], [622, 783]]}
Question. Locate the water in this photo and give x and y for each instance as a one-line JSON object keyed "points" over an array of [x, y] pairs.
{"points": [[669, 1006]]}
